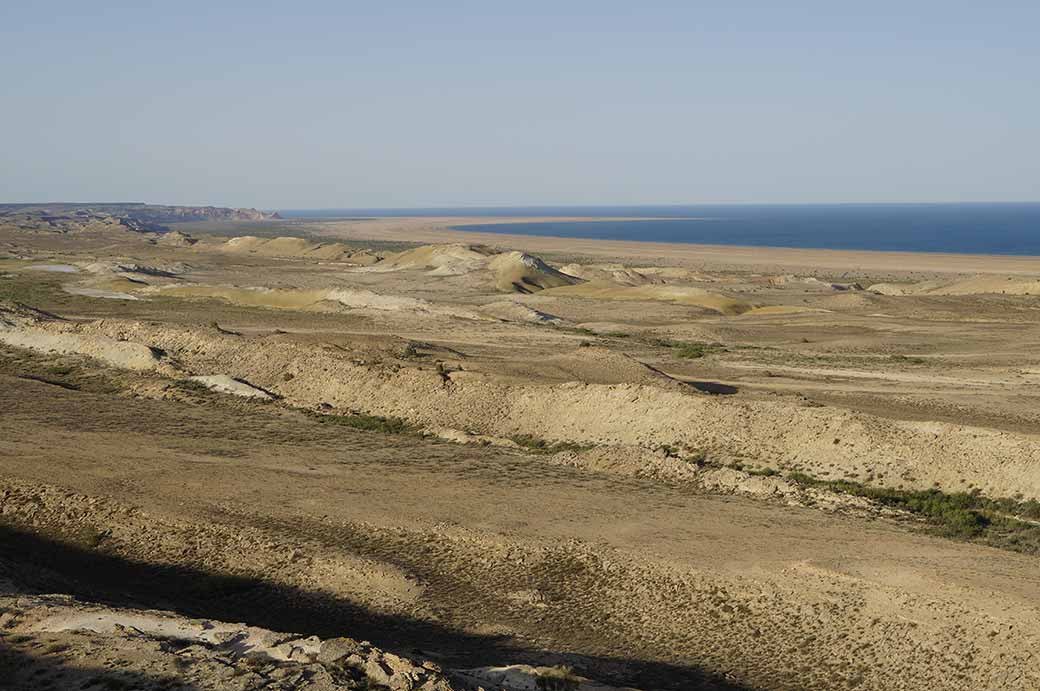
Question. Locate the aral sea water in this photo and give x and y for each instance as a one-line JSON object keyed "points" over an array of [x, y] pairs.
{"points": [[976, 228]]}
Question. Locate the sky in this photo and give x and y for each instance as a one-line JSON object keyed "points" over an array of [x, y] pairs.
{"points": [[322, 104]]}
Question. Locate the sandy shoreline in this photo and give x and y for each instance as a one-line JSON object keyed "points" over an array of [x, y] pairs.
{"points": [[440, 230]]}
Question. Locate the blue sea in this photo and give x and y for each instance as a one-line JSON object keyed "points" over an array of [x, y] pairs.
{"points": [[975, 228]]}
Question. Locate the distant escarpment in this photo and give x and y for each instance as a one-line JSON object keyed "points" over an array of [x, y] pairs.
{"points": [[73, 221], [137, 212], [175, 214], [100, 218]]}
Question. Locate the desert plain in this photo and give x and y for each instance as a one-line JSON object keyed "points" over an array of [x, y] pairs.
{"points": [[390, 453]]}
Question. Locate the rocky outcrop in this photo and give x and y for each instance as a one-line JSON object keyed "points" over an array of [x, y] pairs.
{"points": [[176, 214], [74, 221], [148, 643], [142, 218]]}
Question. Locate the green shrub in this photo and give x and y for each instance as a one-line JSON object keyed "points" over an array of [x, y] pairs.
{"points": [[689, 350], [542, 446], [764, 472], [557, 679], [369, 423], [1001, 522]]}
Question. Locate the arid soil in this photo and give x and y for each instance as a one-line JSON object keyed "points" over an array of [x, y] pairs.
{"points": [[444, 465]]}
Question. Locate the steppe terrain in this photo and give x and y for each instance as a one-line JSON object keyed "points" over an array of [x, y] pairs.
{"points": [[392, 454]]}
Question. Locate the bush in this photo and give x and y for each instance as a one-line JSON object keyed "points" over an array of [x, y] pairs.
{"points": [[369, 423], [1000, 522], [557, 679], [764, 472], [689, 350], [537, 445]]}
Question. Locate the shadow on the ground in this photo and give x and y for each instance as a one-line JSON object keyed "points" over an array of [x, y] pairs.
{"points": [[44, 565], [713, 387], [21, 671]]}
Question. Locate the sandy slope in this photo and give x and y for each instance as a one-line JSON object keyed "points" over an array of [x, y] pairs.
{"points": [[645, 584], [615, 543]]}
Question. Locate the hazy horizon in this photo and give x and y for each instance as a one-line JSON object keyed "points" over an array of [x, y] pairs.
{"points": [[406, 105]]}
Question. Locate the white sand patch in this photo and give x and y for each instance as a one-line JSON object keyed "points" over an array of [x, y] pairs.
{"points": [[124, 354], [517, 312], [978, 285], [222, 383], [318, 299], [616, 273], [680, 295], [98, 293], [54, 268]]}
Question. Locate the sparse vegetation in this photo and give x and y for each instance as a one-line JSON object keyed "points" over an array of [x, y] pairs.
{"points": [[90, 536], [34, 289], [368, 423], [906, 359], [190, 386], [698, 457], [219, 329], [73, 374], [689, 350], [576, 330], [1007, 523], [764, 472], [411, 351], [557, 679], [542, 446]]}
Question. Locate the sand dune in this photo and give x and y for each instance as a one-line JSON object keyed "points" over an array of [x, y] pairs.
{"points": [[604, 415], [525, 273], [599, 365], [441, 260], [122, 354], [297, 248], [318, 299], [978, 285], [518, 312], [615, 273], [175, 238], [812, 282], [680, 295], [511, 272], [648, 412], [636, 276]]}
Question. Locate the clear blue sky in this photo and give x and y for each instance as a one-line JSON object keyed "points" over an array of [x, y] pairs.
{"points": [[384, 103]]}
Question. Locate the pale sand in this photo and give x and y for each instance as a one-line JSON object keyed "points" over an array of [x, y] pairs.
{"points": [[575, 518], [439, 230]]}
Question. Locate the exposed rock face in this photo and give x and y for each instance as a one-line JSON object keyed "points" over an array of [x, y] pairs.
{"points": [[74, 221], [143, 218], [174, 214], [149, 645]]}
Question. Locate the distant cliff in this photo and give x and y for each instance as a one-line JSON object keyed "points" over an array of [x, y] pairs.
{"points": [[99, 218], [144, 213], [157, 213]]}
